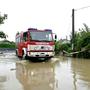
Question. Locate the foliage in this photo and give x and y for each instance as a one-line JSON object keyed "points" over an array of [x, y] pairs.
{"points": [[7, 44], [81, 43], [57, 47], [82, 38], [2, 18], [2, 34]]}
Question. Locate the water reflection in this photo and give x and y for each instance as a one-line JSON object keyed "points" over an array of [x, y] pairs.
{"points": [[81, 73], [72, 73], [61, 73], [2, 80], [36, 76]]}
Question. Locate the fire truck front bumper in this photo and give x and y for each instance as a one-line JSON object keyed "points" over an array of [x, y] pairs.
{"points": [[41, 54]]}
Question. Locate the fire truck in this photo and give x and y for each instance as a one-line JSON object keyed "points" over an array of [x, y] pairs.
{"points": [[35, 43]]}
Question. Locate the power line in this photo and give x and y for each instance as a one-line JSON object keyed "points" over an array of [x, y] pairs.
{"points": [[82, 8]]}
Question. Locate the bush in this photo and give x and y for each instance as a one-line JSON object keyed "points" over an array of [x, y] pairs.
{"points": [[7, 44], [59, 47]]}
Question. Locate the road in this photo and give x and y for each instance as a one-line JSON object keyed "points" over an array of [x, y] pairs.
{"points": [[59, 73]]}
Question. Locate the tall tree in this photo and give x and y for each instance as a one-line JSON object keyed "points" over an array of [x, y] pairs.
{"points": [[82, 38], [2, 18], [2, 34]]}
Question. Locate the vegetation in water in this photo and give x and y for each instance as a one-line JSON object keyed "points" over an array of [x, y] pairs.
{"points": [[81, 43]]}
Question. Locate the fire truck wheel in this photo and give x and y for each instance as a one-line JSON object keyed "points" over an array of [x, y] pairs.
{"points": [[16, 52], [48, 58], [24, 56]]}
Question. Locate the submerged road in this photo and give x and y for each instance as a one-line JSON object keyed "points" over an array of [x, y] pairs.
{"points": [[59, 73]]}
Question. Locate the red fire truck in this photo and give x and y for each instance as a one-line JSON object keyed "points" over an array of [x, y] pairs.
{"points": [[35, 43]]}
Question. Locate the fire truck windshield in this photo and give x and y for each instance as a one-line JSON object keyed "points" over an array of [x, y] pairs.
{"points": [[41, 35]]}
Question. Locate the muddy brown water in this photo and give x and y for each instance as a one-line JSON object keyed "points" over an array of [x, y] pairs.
{"points": [[59, 73]]}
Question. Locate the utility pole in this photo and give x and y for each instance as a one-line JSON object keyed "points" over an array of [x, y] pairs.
{"points": [[73, 29]]}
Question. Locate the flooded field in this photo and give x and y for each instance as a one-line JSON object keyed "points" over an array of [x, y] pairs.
{"points": [[59, 73]]}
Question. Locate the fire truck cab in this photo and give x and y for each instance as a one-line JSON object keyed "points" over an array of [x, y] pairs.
{"points": [[35, 43]]}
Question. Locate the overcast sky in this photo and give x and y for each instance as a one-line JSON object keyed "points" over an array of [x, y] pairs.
{"points": [[43, 14]]}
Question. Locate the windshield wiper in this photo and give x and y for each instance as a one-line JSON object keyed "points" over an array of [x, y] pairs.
{"points": [[42, 40], [36, 40], [45, 40]]}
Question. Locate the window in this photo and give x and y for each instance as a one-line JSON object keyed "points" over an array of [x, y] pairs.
{"points": [[41, 35], [25, 36]]}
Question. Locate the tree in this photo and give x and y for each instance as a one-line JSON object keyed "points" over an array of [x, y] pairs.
{"points": [[82, 38], [82, 42], [2, 34], [2, 18]]}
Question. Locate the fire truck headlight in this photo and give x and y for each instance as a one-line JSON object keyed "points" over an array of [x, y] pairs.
{"points": [[35, 48], [28, 47], [48, 48], [51, 48]]}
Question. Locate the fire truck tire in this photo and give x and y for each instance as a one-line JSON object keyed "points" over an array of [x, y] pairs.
{"points": [[48, 58], [24, 56], [16, 52]]}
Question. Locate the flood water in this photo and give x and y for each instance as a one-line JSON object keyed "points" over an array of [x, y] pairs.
{"points": [[59, 73]]}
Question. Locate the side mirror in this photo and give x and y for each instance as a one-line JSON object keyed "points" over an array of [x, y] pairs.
{"points": [[55, 36]]}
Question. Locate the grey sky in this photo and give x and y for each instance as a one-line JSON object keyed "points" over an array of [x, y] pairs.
{"points": [[43, 14]]}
